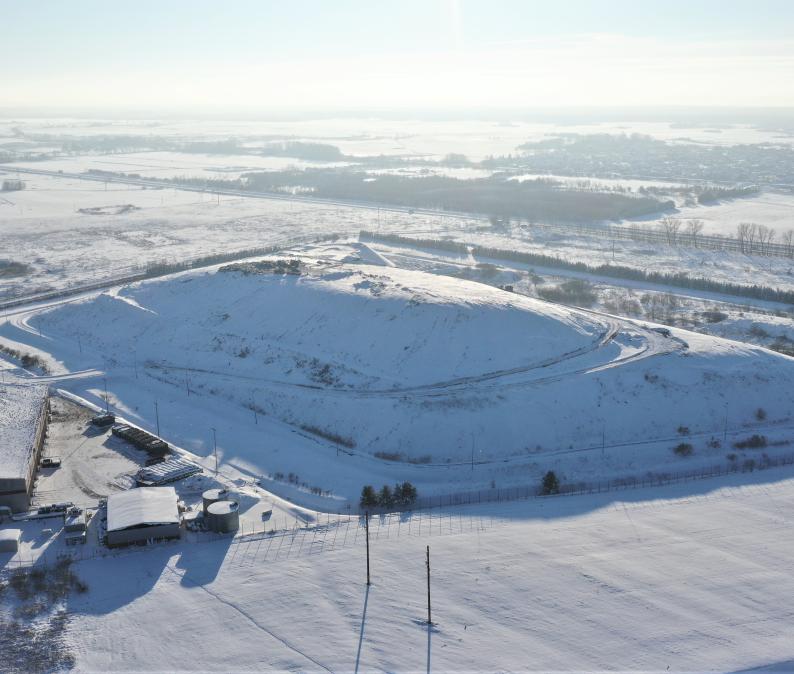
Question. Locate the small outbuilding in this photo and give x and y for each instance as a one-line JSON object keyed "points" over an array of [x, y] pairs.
{"points": [[9, 540], [142, 514]]}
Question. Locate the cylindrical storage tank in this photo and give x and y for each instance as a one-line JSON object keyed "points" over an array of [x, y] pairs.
{"points": [[223, 517], [212, 496]]}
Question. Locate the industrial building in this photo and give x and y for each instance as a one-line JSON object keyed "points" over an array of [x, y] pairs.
{"points": [[142, 514], [24, 411]]}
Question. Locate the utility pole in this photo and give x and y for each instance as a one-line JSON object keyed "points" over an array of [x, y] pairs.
{"points": [[427, 562], [603, 439], [725, 429], [215, 449], [157, 417], [366, 526]]}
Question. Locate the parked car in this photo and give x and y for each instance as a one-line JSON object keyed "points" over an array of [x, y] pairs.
{"points": [[51, 462], [103, 420]]}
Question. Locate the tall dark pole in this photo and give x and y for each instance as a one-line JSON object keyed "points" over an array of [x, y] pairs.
{"points": [[366, 526], [429, 617], [157, 417], [215, 449]]}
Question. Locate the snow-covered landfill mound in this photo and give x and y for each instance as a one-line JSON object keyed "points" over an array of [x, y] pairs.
{"points": [[421, 368]]}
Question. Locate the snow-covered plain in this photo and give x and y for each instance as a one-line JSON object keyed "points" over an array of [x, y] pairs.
{"points": [[373, 136], [362, 373], [54, 224], [691, 578]]}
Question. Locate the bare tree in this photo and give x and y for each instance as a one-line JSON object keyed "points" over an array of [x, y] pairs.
{"points": [[788, 242], [693, 229], [765, 237], [671, 227], [746, 233]]}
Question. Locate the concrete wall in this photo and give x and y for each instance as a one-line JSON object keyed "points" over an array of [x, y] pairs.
{"points": [[143, 534]]}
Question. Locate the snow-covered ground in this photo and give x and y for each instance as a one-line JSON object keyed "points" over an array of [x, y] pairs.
{"points": [[690, 578], [373, 136], [353, 374], [175, 164], [772, 209], [55, 223]]}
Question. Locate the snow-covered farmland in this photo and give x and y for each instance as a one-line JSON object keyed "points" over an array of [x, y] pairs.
{"points": [[56, 221], [175, 164], [690, 578]]}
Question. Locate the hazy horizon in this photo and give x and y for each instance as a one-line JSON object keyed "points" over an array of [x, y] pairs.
{"points": [[452, 55]]}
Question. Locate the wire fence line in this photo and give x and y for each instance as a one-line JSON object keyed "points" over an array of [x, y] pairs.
{"points": [[523, 492], [429, 516], [270, 545], [653, 234]]}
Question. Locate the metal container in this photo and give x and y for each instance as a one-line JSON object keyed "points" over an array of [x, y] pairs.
{"points": [[223, 517], [212, 496]]}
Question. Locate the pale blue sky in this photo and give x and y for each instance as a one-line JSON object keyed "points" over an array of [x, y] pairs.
{"points": [[343, 53]]}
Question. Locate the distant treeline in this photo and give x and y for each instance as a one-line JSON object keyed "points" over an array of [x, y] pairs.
{"points": [[530, 199], [679, 280]]}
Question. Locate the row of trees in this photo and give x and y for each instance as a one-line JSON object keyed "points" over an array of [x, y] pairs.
{"points": [[755, 238], [403, 494], [678, 279]]}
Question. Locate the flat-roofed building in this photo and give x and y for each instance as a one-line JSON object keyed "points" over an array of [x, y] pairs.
{"points": [[23, 426]]}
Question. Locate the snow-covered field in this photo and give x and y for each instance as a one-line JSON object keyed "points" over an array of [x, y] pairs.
{"points": [[55, 223], [691, 578], [175, 164], [369, 374], [374, 136]]}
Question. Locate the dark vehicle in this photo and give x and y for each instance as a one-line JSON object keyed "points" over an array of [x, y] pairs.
{"points": [[51, 462], [103, 420]]}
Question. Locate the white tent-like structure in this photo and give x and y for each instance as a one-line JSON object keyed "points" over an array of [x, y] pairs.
{"points": [[138, 515]]}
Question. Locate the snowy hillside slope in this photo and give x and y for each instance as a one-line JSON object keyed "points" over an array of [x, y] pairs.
{"points": [[385, 363]]}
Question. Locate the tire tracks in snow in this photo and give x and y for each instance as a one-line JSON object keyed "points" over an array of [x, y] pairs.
{"points": [[183, 578]]}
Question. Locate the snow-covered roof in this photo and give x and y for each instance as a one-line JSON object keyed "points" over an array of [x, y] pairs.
{"points": [[145, 506], [20, 408], [10, 535]]}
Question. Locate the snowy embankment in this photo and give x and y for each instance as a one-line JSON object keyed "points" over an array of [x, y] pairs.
{"points": [[351, 374]]}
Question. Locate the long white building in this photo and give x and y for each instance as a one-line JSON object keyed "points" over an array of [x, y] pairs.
{"points": [[23, 425]]}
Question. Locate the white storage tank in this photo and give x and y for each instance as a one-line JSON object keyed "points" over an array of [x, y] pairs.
{"points": [[212, 496], [223, 517]]}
